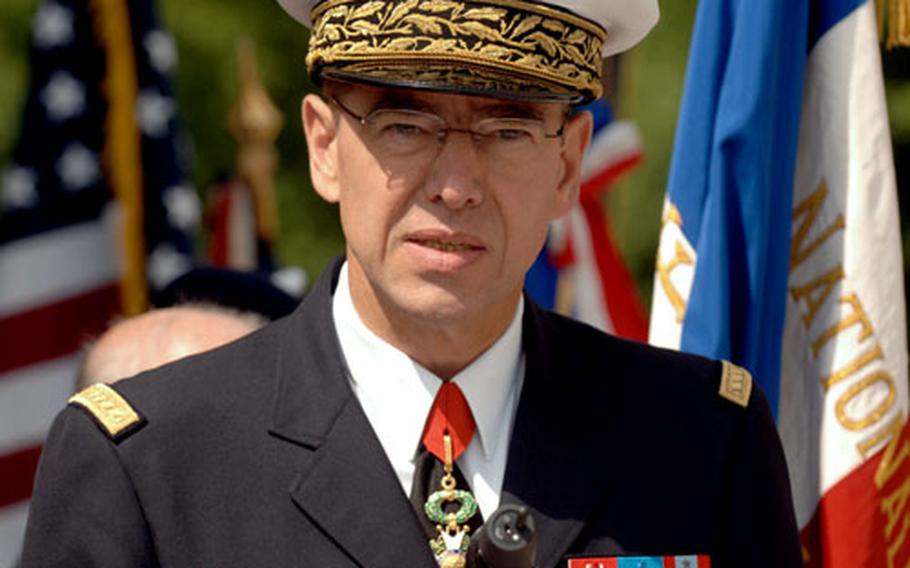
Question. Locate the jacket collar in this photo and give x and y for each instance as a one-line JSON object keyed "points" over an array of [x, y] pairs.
{"points": [[345, 484], [310, 361]]}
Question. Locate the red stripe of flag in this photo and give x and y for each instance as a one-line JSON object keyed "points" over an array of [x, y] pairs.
{"points": [[220, 247], [864, 520], [57, 329], [618, 289], [594, 185], [17, 474]]}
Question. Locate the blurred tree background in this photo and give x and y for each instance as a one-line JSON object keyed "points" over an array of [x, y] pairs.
{"points": [[207, 32]]}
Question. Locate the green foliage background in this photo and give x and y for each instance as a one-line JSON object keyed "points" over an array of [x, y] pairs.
{"points": [[207, 31]]}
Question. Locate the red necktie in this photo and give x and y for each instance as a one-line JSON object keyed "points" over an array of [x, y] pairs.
{"points": [[450, 414]]}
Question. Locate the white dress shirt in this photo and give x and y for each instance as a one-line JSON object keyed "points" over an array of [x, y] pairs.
{"points": [[396, 394]]}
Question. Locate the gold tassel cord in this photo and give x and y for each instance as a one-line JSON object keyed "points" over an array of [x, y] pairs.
{"points": [[900, 23], [893, 22], [122, 148]]}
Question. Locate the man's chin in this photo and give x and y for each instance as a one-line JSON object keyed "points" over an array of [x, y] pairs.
{"points": [[435, 304], [444, 306]]}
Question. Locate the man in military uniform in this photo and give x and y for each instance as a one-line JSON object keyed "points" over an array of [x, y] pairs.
{"points": [[416, 389]]}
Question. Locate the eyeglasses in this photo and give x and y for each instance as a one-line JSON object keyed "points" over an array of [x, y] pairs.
{"points": [[399, 134]]}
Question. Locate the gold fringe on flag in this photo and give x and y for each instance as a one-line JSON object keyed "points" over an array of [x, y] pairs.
{"points": [[898, 22], [122, 148]]}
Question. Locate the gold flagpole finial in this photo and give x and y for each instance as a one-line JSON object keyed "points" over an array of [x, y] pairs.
{"points": [[255, 123]]}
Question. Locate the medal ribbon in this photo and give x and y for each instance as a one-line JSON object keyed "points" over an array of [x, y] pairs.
{"points": [[448, 431], [450, 414]]}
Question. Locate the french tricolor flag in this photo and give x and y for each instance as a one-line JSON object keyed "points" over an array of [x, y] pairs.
{"points": [[580, 272], [780, 250]]}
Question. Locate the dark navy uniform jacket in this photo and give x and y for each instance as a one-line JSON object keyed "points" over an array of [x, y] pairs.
{"points": [[258, 454]]}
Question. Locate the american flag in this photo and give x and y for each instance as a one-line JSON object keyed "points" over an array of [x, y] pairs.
{"points": [[95, 214], [580, 272]]}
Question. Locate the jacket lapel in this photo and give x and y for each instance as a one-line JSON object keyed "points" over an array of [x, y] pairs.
{"points": [[351, 492], [346, 484], [555, 464]]}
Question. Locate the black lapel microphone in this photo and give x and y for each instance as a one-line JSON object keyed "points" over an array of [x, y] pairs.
{"points": [[506, 540]]}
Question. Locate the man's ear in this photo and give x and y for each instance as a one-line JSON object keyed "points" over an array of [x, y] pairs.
{"points": [[576, 138], [321, 131]]}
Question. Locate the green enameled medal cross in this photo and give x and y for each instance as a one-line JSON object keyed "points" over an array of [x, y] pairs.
{"points": [[448, 432]]}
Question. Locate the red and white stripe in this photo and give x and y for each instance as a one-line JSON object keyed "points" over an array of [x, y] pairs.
{"points": [[234, 227], [843, 402], [56, 290], [602, 291]]}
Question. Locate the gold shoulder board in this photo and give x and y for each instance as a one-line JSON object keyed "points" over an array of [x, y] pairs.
{"points": [[735, 384], [110, 410]]}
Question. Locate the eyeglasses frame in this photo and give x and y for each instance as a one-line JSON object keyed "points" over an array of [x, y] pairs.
{"points": [[442, 133]]}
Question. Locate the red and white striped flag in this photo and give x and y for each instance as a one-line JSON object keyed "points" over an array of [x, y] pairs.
{"points": [[93, 215], [57, 288], [233, 241]]}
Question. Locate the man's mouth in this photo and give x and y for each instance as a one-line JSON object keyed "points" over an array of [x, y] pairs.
{"points": [[445, 246]]}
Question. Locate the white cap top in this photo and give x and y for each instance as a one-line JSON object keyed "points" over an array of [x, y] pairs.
{"points": [[627, 21]]}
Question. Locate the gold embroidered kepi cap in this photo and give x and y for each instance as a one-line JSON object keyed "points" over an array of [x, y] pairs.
{"points": [[518, 49]]}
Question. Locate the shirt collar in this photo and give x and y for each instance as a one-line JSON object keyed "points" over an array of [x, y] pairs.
{"points": [[487, 382], [379, 369]]}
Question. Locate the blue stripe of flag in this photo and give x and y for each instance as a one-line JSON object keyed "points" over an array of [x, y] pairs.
{"points": [[732, 173]]}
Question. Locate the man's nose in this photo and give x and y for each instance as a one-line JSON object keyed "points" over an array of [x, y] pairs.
{"points": [[455, 177]]}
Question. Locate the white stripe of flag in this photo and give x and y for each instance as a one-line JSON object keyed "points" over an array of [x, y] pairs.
{"points": [[59, 264]]}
